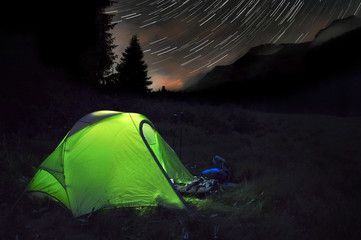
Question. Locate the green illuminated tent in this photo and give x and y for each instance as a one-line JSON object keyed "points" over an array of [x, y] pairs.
{"points": [[111, 159]]}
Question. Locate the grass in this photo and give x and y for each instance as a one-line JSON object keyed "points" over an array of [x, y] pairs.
{"points": [[298, 175]]}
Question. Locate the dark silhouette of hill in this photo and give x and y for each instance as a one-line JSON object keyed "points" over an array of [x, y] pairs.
{"points": [[337, 28], [322, 77]]}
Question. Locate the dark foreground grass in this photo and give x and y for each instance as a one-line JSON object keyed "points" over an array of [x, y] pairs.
{"points": [[298, 176]]}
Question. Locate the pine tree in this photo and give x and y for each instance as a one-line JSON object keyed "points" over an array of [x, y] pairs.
{"points": [[132, 70], [98, 60], [105, 46]]}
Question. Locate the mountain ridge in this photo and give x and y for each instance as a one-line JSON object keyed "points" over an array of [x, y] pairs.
{"points": [[287, 60], [304, 77]]}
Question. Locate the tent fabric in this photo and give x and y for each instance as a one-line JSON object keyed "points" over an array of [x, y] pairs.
{"points": [[111, 159]]}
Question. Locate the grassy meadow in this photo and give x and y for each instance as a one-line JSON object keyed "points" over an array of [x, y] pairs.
{"points": [[298, 175]]}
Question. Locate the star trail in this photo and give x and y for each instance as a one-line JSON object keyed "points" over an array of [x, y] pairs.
{"points": [[181, 39]]}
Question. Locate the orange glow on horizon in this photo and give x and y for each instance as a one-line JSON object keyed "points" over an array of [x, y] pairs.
{"points": [[163, 80], [174, 85]]}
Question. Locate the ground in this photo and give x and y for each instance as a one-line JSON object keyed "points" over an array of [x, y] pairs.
{"points": [[298, 175]]}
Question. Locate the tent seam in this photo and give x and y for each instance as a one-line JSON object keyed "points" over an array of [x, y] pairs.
{"points": [[66, 189], [46, 170], [134, 123]]}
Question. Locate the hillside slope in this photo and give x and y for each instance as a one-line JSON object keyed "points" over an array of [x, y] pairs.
{"points": [[305, 72]]}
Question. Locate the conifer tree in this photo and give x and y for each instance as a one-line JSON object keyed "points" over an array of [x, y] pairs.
{"points": [[105, 46], [132, 70], [99, 58]]}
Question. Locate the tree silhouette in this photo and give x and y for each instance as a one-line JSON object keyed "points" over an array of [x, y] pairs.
{"points": [[105, 46], [99, 59], [132, 70], [74, 36]]}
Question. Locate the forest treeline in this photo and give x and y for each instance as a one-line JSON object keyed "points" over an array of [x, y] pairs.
{"points": [[75, 37]]}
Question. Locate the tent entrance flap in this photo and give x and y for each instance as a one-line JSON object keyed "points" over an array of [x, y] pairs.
{"points": [[150, 134]]}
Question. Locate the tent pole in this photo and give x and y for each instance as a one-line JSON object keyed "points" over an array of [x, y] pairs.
{"points": [[180, 144], [17, 201], [181, 115]]}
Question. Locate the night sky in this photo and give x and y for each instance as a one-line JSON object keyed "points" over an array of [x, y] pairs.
{"points": [[182, 38]]}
